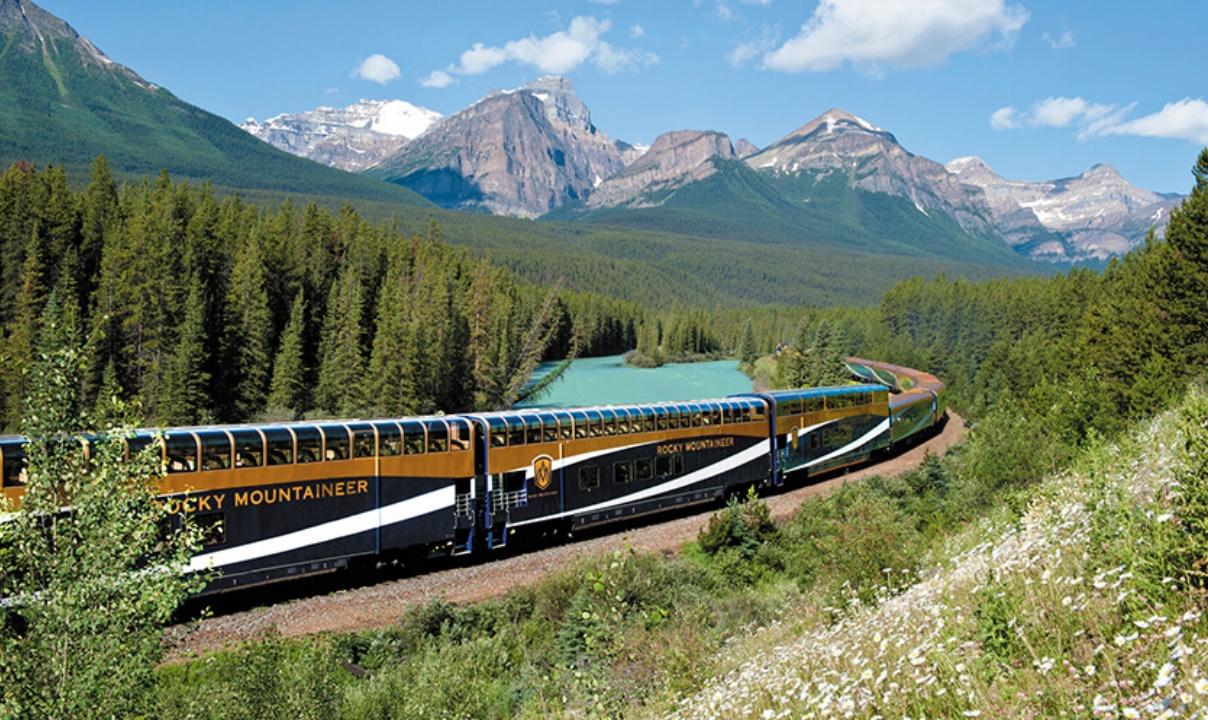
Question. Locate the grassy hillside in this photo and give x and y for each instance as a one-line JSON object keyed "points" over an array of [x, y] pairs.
{"points": [[58, 104], [804, 210]]}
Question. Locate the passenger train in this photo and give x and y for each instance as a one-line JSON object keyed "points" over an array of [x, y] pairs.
{"points": [[289, 499]]}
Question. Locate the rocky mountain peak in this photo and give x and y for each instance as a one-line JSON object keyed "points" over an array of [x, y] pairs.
{"points": [[1102, 171], [835, 120], [745, 148], [34, 29], [674, 159], [350, 138]]}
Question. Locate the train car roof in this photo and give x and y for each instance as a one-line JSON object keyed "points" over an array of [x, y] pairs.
{"points": [[802, 393], [735, 401]]}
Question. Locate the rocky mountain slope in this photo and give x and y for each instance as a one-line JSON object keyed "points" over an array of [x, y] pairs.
{"points": [[349, 138], [64, 101], [675, 159], [1091, 216], [517, 152], [837, 143]]}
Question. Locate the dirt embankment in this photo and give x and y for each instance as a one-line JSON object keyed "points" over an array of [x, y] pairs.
{"points": [[383, 603]]}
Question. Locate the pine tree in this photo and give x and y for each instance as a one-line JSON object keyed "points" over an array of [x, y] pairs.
{"points": [[98, 211], [392, 377], [747, 352], [249, 333], [341, 389], [1185, 295], [183, 399], [288, 394]]}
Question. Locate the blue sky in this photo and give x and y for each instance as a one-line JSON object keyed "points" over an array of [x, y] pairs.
{"points": [[1038, 90]]}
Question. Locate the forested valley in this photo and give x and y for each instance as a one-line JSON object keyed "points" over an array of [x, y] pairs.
{"points": [[207, 310]]}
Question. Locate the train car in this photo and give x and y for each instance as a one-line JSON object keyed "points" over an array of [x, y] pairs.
{"points": [[288, 499], [551, 469], [821, 429], [919, 402]]}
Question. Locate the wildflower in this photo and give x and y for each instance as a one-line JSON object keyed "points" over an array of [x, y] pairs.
{"points": [[1165, 675], [1089, 670], [1130, 713], [1201, 686], [971, 713]]}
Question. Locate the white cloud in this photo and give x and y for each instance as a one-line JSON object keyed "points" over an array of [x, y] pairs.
{"points": [[636, 31], [908, 34], [1060, 42], [438, 79], [1185, 119], [743, 52], [1005, 118], [724, 12], [558, 52], [1064, 111], [762, 3], [377, 68]]}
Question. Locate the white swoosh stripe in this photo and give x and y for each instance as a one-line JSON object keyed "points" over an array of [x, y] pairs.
{"points": [[729, 463], [882, 427], [570, 459], [370, 519]]}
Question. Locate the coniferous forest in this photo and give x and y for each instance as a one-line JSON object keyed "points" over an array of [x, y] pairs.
{"points": [[212, 310]]}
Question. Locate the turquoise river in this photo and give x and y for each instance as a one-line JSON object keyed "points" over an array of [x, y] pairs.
{"points": [[609, 381]]}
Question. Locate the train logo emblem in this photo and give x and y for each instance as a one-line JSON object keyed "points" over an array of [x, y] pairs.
{"points": [[543, 471]]}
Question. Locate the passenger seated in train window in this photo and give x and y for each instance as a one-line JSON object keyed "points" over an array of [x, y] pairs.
{"points": [[648, 423], [308, 450], [564, 429], [15, 472], [549, 433], [182, 455], [596, 428], [534, 434], [337, 446], [363, 444], [414, 442], [516, 436], [438, 440], [673, 421], [215, 457], [499, 438], [390, 443], [456, 441], [280, 451], [248, 455], [580, 429], [706, 418], [643, 469]]}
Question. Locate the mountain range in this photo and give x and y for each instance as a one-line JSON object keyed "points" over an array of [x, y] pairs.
{"points": [[64, 101], [534, 152]]}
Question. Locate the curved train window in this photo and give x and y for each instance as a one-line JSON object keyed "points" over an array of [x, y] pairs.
{"points": [[390, 439], [565, 431], [610, 422], [499, 432], [759, 412], [438, 438], [813, 404], [727, 415], [706, 415], [181, 453], [363, 442], [414, 442], [335, 443], [532, 432], [660, 420], [137, 443], [515, 431], [249, 448], [549, 429], [310, 444], [648, 419], [673, 418], [280, 446], [15, 465], [581, 423], [595, 425], [215, 451]]}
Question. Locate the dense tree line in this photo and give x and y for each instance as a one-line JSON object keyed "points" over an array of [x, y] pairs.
{"points": [[1092, 347], [206, 309]]}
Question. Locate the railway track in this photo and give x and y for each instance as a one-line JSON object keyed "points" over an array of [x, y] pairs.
{"points": [[349, 602]]}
